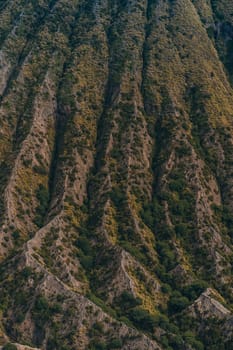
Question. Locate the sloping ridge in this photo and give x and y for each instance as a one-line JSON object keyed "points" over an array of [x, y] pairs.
{"points": [[116, 144]]}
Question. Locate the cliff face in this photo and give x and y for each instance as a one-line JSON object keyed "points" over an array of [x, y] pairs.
{"points": [[116, 174]]}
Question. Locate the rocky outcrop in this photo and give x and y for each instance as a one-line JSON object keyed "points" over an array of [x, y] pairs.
{"points": [[206, 306], [116, 173]]}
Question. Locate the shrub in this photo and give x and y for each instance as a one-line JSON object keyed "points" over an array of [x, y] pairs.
{"points": [[134, 251], [9, 346], [52, 343], [41, 312], [194, 290], [16, 236], [147, 217], [117, 196], [43, 198], [41, 304], [84, 244], [167, 255], [166, 288], [97, 329], [40, 169], [129, 301], [190, 339], [115, 344], [101, 304], [86, 261], [177, 342], [177, 303], [94, 345], [26, 272], [143, 319], [181, 229], [167, 232], [177, 185]]}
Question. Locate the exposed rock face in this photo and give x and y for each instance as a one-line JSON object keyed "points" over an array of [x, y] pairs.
{"points": [[23, 347], [116, 164], [206, 306]]}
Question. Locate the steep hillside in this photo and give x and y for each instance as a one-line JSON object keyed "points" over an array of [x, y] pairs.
{"points": [[116, 174]]}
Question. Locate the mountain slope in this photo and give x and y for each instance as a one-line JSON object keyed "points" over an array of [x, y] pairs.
{"points": [[116, 174]]}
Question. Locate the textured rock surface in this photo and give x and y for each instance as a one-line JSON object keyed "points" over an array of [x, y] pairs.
{"points": [[116, 174], [207, 306]]}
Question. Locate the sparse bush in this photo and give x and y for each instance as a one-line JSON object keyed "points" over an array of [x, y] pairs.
{"points": [[43, 198], [193, 291], [143, 319], [128, 301], [9, 346], [177, 303], [84, 244], [115, 344]]}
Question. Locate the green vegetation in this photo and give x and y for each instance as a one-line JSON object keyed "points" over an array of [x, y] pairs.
{"points": [[9, 346], [43, 198], [177, 303], [143, 319], [128, 301], [115, 139]]}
